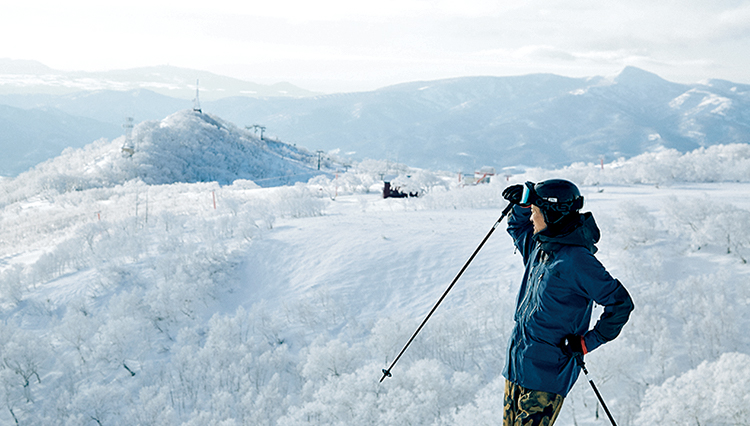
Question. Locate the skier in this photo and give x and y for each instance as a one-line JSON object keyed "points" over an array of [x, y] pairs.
{"points": [[561, 282]]}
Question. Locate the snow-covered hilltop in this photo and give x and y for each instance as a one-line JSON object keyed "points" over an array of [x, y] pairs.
{"points": [[191, 146], [187, 146]]}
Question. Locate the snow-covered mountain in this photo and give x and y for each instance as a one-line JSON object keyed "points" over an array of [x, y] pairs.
{"points": [[187, 146], [534, 120], [29, 137], [460, 124]]}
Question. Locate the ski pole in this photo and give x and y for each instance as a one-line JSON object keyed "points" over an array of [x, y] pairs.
{"points": [[387, 372], [579, 359]]}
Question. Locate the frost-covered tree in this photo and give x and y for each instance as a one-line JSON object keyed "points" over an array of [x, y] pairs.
{"points": [[714, 393]]}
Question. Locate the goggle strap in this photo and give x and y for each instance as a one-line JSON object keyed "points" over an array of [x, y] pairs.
{"points": [[565, 207]]}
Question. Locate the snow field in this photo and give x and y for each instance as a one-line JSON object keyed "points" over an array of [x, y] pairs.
{"points": [[142, 304]]}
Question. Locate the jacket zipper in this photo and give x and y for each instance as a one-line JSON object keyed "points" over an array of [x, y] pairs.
{"points": [[533, 298], [532, 291]]}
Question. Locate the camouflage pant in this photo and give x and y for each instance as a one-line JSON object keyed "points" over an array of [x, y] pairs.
{"points": [[524, 407]]}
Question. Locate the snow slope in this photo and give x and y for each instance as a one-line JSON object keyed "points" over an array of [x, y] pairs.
{"points": [[137, 303]]}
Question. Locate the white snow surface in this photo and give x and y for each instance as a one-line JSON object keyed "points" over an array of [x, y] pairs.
{"points": [[194, 303]]}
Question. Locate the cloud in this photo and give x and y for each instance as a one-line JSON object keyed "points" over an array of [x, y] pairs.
{"points": [[734, 23], [404, 39], [545, 53], [551, 54]]}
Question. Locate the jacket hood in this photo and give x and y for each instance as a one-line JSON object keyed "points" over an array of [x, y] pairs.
{"points": [[584, 233]]}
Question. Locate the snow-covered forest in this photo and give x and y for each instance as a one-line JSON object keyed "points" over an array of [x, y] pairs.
{"points": [[129, 299]]}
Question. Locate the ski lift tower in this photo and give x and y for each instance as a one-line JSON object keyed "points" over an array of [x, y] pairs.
{"points": [[319, 152], [197, 101], [128, 147]]}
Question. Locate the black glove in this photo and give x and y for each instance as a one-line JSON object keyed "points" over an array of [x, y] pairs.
{"points": [[514, 193], [574, 346]]}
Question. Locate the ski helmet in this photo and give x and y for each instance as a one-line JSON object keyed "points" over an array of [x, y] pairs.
{"points": [[557, 199]]}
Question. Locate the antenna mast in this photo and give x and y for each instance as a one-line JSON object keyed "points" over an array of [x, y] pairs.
{"points": [[197, 101], [128, 148]]}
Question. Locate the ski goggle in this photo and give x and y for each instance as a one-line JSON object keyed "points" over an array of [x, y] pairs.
{"points": [[529, 195]]}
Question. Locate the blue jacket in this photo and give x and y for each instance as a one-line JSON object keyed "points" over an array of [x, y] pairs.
{"points": [[561, 282]]}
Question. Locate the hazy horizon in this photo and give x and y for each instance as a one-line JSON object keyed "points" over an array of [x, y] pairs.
{"points": [[335, 46]]}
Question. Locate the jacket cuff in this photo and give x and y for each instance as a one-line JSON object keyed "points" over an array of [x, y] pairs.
{"points": [[592, 340]]}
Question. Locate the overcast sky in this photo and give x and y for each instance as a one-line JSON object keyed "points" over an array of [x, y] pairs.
{"points": [[347, 45]]}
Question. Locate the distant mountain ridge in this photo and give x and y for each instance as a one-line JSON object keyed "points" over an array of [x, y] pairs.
{"points": [[462, 124], [535, 120], [31, 77], [28, 137]]}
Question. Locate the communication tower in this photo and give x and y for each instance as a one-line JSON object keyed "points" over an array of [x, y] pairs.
{"points": [[197, 101], [128, 147]]}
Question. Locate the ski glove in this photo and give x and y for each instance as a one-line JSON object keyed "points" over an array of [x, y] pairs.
{"points": [[521, 195], [574, 346]]}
